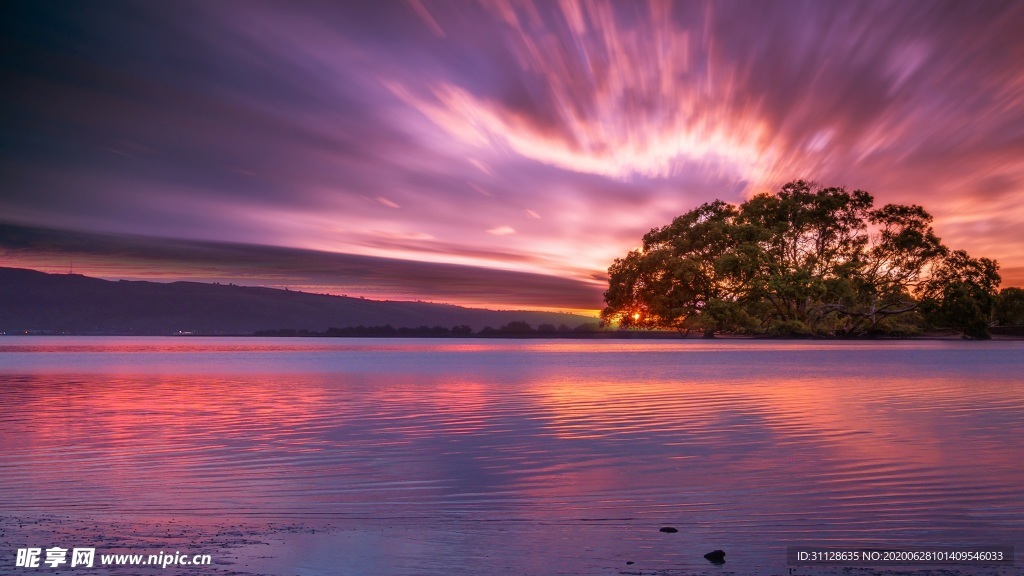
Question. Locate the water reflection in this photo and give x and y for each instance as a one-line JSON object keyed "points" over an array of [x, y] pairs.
{"points": [[753, 445]]}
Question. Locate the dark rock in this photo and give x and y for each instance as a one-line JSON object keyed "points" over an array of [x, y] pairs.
{"points": [[629, 562], [669, 530], [716, 557]]}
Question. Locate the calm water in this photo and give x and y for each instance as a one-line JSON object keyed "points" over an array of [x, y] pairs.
{"points": [[526, 457]]}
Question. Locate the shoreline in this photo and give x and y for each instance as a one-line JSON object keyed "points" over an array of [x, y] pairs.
{"points": [[247, 546]]}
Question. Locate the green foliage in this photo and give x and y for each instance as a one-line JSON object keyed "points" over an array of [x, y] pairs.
{"points": [[903, 325], [789, 328], [805, 261], [961, 293], [1010, 307]]}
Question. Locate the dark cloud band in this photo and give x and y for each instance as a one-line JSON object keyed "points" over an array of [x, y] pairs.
{"points": [[123, 256]]}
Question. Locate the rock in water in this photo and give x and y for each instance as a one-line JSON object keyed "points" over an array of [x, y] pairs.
{"points": [[716, 557], [668, 530]]}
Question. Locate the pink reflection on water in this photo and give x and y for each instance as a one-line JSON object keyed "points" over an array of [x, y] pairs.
{"points": [[734, 443]]}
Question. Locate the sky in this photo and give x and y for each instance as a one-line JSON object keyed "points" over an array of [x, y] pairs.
{"points": [[499, 153]]}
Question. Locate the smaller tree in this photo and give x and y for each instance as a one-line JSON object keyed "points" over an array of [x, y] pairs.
{"points": [[1010, 307], [961, 293]]}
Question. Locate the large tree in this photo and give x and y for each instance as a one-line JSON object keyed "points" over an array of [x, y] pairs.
{"points": [[806, 260]]}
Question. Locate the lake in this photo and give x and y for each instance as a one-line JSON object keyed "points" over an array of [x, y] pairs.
{"points": [[468, 457]]}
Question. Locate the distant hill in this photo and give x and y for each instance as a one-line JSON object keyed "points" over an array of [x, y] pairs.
{"points": [[76, 304]]}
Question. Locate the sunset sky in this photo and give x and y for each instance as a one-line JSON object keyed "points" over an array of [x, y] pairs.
{"points": [[495, 154]]}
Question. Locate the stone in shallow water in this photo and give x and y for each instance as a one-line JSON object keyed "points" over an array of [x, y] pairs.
{"points": [[669, 529], [716, 557]]}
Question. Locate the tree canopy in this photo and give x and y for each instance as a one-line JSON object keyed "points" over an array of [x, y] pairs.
{"points": [[807, 260], [1010, 307]]}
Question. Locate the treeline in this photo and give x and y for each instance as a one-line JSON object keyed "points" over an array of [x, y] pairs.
{"points": [[588, 330], [510, 330]]}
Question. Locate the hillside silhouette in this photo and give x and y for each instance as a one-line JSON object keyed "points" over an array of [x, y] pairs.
{"points": [[71, 303]]}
